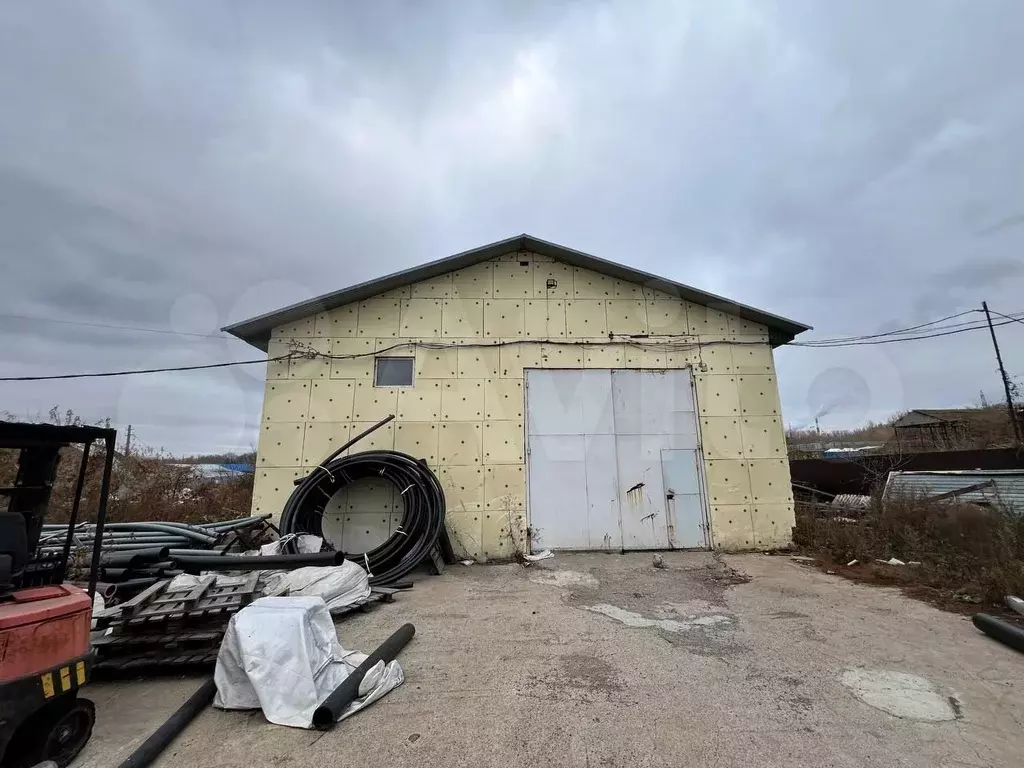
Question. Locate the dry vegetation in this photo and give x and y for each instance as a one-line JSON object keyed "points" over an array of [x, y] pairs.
{"points": [[148, 485], [966, 553], [983, 426], [870, 433]]}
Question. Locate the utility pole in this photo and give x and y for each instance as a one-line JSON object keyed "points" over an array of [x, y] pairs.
{"points": [[1006, 379], [128, 441]]}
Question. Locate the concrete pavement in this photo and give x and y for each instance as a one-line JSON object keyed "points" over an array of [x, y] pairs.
{"points": [[602, 660]]}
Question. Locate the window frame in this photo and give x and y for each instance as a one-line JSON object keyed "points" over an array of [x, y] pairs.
{"points": [[412, 370]]}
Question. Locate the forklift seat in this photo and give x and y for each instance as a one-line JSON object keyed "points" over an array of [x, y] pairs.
{"points": [[14, 554]]}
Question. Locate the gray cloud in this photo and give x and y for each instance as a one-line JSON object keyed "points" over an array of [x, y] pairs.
{"points": [[853, 165]]}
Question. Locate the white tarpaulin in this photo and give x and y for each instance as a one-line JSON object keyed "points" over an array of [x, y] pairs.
{"points": [[282, 655], [339, 585]]}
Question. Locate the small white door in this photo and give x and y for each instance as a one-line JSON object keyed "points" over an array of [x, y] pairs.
{"points": [[596, 451]]}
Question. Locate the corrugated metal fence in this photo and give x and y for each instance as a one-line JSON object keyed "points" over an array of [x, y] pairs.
{"points": [[1002, 487]]}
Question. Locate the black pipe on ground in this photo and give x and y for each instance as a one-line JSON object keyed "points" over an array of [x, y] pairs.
{"points": [[129, 586], [327, 714], [195, 564], [135, 558], [151, 748], [1000, 630]]}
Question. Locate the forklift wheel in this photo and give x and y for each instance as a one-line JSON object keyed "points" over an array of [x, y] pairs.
{"points": [[57, 732]]}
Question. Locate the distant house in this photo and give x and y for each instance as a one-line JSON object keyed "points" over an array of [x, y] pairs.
{"points": [[219, 473], [949, 428]]}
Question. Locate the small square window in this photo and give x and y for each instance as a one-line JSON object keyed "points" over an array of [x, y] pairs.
{"points": [[393, 372]]}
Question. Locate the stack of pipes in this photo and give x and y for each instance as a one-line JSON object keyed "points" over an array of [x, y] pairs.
{"points": [[135, 555]]}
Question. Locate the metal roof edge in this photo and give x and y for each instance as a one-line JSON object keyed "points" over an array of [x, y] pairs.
{"points": [[256, 330]]}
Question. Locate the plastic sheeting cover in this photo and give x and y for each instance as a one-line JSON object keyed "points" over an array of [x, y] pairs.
{"points": [[282, 655], [338, 585]]}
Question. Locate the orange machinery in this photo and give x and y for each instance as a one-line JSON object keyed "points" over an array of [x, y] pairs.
{"points": [[45, 624]]}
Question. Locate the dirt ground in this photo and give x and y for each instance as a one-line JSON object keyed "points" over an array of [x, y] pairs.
{"points": [[603, 660]]}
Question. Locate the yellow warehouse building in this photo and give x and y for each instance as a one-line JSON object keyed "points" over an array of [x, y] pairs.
{"points": [[563, 401]]}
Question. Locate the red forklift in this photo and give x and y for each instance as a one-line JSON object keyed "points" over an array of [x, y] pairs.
{"points": [[45, 624]]}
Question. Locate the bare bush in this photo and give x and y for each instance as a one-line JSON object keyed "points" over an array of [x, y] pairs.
{"points": [[148, 485], [961, 547]]}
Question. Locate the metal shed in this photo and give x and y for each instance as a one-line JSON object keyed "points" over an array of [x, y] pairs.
{"points": [[1002, 487]]}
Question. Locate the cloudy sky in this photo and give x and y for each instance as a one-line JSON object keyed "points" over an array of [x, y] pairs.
{"points": [[854, 165]]}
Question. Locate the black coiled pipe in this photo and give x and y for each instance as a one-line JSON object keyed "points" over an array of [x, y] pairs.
{"points": [[419, 488]]}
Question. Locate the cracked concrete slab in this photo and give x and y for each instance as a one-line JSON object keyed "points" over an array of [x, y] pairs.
{"points": [[901, 695], [635, 620]]}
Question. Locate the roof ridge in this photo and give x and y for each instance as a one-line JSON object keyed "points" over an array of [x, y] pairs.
{"points": [[256, 330]]}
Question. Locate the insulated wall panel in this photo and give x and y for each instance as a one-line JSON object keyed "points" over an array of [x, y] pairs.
{"points": [[513, 280], [286, 400], [352, 358], [336, 323], [503, 400], [331, 400], [474, 282], [504, 486], [585, 318], [717, 395], [421, 402], [460, 442], [373, 403], [418, 439], [478, 362], [552, 281], [626, 316], [281, 444], [504, 318], [321, 440], [544, 319], [379, 318], [462, 400], [463, 487], [462, 318], [503, 442], [421, 318]]}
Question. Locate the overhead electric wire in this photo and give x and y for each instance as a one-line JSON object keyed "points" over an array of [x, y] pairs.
{"points": [[1015, 319], [36, 319], [137, 371], [888, 337], [834, 345], [898, 331]]}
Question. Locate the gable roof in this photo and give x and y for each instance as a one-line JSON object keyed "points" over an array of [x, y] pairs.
{"points": [[963, 416], [256, 330]]}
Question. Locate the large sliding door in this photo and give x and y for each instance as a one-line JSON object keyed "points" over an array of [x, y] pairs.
{"points": [[613, 460]]}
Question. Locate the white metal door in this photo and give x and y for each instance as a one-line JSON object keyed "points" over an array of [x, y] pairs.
{"points": [[613, 459], [653, 411], [573, 499]]}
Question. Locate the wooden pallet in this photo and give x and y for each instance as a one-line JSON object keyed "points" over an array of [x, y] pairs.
{"points": [[160, 627], [189, 606]]}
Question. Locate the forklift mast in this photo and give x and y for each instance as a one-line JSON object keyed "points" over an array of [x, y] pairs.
{"points": [[28, 500]]}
